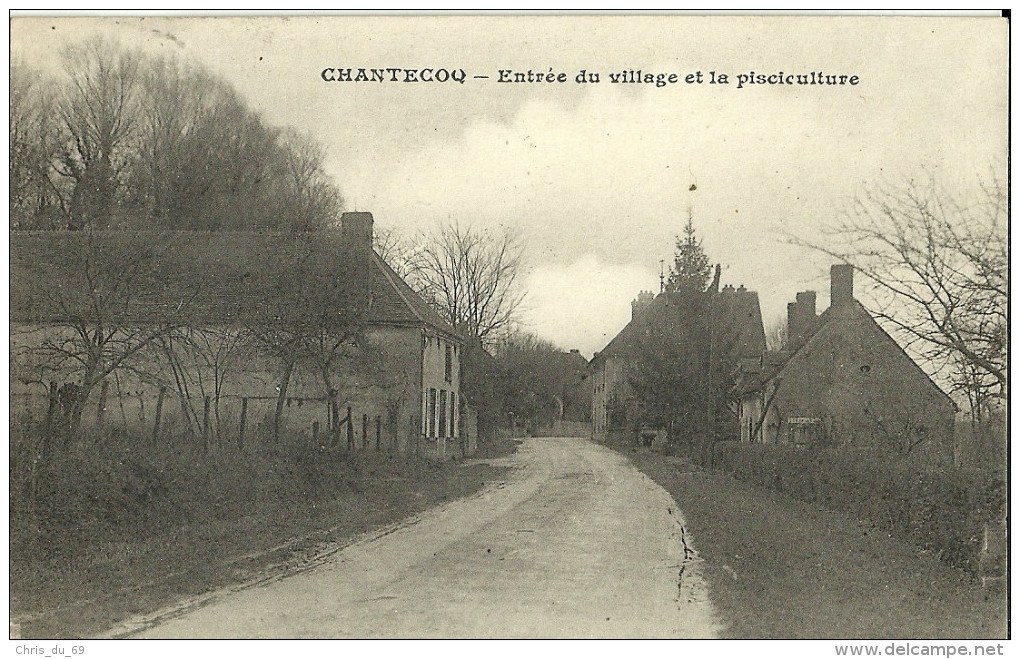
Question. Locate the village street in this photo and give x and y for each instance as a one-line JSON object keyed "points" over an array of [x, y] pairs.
{"points": [[576, 543]]}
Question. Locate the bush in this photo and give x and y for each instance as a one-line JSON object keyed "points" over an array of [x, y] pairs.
{"points": [[943, 511], [118, 487]]}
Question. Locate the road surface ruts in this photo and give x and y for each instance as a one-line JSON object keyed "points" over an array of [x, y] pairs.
{"points": [[575, 544]]}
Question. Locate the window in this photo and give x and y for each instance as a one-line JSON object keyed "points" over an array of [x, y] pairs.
{"points": [[442, 413], [449, 363], [432, 413], [453, 414]]}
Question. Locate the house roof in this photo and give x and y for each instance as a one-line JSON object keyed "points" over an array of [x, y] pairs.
{"points": [[393, 302], [149, 276], [205, 278], [732, 309], [833, 320], [664, 308]]}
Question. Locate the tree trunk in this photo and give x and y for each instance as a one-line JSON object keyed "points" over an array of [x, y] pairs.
{"points": [[75, 407], [159, 414], [281, 400], [244, 420]]}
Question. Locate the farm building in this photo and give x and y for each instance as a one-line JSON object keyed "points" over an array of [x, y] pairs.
{"points": [[843, 380], [231, 336], [727, 327]]}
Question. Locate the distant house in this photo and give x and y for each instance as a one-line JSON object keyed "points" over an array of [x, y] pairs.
{"points": [[843, 380], [398, 390], [575, 383], [481, 388], [734, 313]]}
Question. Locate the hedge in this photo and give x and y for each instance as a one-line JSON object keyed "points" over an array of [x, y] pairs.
{"points": [[943, 511]]}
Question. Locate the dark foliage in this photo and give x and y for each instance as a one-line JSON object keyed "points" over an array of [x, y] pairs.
{"points": [[941, 511]]}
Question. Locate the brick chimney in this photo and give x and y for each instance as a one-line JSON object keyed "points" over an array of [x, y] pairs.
{"points": [[356, 241], [356, 229], [841, 284], [800, 318], [641, 303], [807, 300]]}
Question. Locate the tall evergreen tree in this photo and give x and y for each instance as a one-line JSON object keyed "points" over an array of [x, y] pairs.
{"points": [[691, 270]]}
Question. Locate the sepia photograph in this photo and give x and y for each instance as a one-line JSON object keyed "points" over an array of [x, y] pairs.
{"points": [[509, 326]]}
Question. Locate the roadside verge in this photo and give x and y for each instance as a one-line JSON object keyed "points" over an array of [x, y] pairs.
{"points": [[781, 568], [99, 588]]}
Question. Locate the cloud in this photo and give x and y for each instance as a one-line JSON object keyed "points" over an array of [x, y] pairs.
{"points": [[583, 304], [602, 174]]}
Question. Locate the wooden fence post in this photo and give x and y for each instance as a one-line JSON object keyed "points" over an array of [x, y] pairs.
{"points": [[378, 432], [205, 423], [350, 430], [101, 407], [334, 424], [50, 411], [52, 408], [159, 414], [120, 400], [244, 420], [364, 432]]}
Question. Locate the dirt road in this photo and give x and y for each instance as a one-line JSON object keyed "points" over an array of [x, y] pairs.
{"points": [[575, 544]]}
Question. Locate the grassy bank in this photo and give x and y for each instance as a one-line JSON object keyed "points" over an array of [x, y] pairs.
{"points": [[102, 533], [782, 568]]}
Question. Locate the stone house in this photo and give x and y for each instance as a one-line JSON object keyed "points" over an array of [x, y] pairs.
{"points": [[843, 380], [735, 331], [386, 374]]}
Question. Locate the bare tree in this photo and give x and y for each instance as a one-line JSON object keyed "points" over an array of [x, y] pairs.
{"points": [[99, 110], [131, 140], [939, 269], [34, 143], [96, 308], [198, 363], [312, 200], [311, 315], [470, 276], [396, 250], [177, 99]]}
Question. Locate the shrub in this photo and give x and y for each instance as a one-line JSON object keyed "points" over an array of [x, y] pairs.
{"points": [[118, 487], [943, 511]]}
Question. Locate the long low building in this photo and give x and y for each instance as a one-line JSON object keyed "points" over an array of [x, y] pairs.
{"points": [[227, 334]]}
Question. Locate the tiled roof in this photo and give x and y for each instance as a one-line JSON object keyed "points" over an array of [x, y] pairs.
{"points": [[205, 278], [836, 317], [733, 309], [664, 308], [395, 303]]}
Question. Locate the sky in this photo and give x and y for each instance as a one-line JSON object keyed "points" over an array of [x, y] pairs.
{"points": [[597, 179]]}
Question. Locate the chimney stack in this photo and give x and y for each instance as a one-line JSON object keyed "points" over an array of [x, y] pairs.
{"points": [[841, 284], [356, 230], [356, 244], [714, 287], [800, 318], [806, 300], [641, 303]]}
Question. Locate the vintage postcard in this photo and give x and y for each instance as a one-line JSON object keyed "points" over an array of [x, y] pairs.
{"points": [[509, 326]]}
